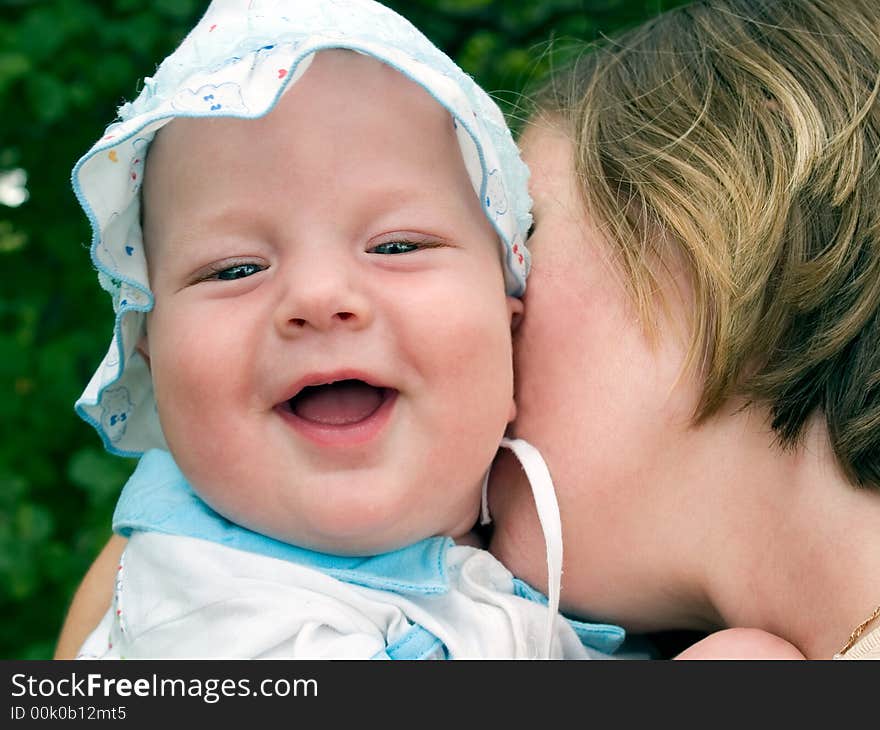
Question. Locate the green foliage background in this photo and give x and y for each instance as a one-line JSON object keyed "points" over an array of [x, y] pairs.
{"points": [[65, 65]]}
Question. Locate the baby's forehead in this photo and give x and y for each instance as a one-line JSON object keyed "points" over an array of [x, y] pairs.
{"points": [[357, 95], [350, 125], [350, 71]]}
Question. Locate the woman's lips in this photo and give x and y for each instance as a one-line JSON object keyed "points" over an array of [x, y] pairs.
{"points": [[343, 413]]}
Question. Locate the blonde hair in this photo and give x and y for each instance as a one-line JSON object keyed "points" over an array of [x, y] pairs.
{"points": [[748, 133]]}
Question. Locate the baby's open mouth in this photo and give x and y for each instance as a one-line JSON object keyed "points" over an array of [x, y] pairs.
{"points": [[342, 403]]}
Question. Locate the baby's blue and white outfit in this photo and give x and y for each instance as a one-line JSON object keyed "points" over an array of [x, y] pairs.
{"points": [[190, 583]]}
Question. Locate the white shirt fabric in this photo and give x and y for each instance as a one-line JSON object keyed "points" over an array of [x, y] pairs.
{"points": [[184, 597]]}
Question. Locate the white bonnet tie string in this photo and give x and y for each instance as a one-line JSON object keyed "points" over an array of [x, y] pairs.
{"points": [[485, 517], [551, 524]]}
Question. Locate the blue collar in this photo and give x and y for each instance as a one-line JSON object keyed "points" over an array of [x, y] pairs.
{"points": [[158, 498]]}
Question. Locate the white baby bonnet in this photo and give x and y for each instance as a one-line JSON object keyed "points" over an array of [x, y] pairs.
{"points": [[237, 62]]}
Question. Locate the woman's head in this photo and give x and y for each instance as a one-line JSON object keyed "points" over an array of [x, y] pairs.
{"points": [[705, 286], [739, 139]]}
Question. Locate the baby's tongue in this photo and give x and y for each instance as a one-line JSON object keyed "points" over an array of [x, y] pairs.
{"points": [[348, 401]]}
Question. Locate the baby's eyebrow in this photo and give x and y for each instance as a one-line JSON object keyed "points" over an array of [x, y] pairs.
{"points": [[213, 224]]}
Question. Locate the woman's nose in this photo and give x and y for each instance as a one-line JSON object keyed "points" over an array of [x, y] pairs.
{"points": [[323, 296]]}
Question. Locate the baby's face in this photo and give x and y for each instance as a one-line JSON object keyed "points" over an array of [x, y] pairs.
{"points": [[330, 343]]}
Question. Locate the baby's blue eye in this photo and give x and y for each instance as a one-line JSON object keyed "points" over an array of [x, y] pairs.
{"points": [[393, 247], [239, 271]]}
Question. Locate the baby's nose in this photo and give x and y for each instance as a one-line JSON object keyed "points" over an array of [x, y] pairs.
{"points": [[325, 296]]}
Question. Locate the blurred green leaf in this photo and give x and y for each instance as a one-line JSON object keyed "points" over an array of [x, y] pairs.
{"points": [[98, 474], [180, 9], [12, 488], [33, 523], [11, 239], [12, 67], [47, 97], [40, 34]]}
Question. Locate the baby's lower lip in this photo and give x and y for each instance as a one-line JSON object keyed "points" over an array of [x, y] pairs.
{"points": [[341, 435]]}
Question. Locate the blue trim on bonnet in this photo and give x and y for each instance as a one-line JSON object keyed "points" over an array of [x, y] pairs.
{"points": [[123, 308]]}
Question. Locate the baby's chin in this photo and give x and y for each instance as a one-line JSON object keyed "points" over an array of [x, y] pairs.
{"points": [[342, 543], [352, 527]]}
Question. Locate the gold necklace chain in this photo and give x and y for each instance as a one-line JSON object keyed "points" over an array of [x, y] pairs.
{"points": [[857, 632]]}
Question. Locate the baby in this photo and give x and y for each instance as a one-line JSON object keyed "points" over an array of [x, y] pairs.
{"points": [[315, 270]]}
